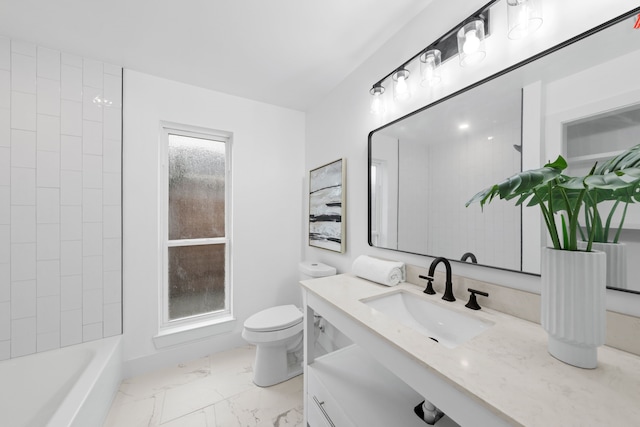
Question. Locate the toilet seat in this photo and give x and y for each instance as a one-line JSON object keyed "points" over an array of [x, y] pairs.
{"points": [[274, 319]]}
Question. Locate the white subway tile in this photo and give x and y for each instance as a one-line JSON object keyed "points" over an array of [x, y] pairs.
{"points": [[48, 242], [71, 83], [71, 153], [23, 111], [92, 273], [92, 332], [70, 293], [48, 174], [92, 104], [23, 73], [5, 205], [5, 125], [112, 287], [92, 306], [71, 257], [91, 171], [5, 244], [23, 337], [48, 280], [112, 255], [113, 124], [92, 73], [112, 222], [48, 63], [23, 186], [5, 320], [114, 70], [5, 89], [112, 91], [92, 239], [5, 282], [112, 320], [48, 135], [48, 206], [5, 166], [23, 261], [48, 97], [23, 48], [70, 188], [71, 118], [70, 327], [91, 137], [112, 156], [23, 299], [5, 53], [91, 205], [71, 223], [71, 59], [48, 314], [23, 149], [23, 224], [48, 340]]}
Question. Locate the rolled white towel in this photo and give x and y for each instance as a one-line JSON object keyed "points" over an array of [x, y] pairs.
{"points": [[388, 273]]}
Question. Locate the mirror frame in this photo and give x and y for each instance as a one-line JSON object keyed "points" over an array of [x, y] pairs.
{"points": [[555, 48]]}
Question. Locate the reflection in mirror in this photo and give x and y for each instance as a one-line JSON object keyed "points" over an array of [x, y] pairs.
{"points": [[425, 166]]}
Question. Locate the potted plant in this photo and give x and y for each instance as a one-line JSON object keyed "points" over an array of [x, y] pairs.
{"points": [[606, 234], [573, 280]]}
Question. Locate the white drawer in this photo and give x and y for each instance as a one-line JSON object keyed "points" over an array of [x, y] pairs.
{"points": [[318, 397]]}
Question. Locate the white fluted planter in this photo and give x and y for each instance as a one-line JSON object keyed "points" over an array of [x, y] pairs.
{"points": [[573, 306], [616, 262]]}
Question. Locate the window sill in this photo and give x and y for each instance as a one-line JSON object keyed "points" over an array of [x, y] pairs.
{"points": [[176, 335]]}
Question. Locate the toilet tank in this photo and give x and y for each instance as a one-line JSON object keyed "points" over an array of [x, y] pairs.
{"points": [[313, 270]]}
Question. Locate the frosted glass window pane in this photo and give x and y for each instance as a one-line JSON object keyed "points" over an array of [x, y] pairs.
{"points": [[196, 188], [196, 280]]}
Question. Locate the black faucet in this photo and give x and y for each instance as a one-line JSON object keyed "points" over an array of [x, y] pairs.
{"points": [[469, 255], [448, 291]]}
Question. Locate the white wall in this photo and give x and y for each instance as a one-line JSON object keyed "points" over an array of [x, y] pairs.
{"points": [[60, 204], [268, 174], [344, 114]]}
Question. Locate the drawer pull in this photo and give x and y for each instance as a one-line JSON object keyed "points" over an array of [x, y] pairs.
{"points": [[320, 405]]}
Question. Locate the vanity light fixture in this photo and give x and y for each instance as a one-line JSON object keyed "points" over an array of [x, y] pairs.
{"points": [[471, 46], [430, 62], [400, 88], [377, 104], [524, 17]]}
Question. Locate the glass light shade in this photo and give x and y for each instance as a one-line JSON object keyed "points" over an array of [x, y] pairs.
{"points": [[377, 103], [471, 46], [430, 67], [400, 87], [524, 17]]}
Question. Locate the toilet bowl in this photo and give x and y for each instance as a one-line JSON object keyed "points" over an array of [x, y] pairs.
{"points": [[277, 333]]}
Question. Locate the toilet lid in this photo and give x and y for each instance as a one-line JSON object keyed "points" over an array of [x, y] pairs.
{"points": [[274, 318]]}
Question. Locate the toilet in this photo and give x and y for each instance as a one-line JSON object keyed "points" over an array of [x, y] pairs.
{"points": [[277, 333]]}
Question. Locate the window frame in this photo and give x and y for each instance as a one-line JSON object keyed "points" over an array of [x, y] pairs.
{"points": [[205, 319]]}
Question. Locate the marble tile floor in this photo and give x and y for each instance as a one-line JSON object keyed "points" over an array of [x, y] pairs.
{"points": [[214, 391]]}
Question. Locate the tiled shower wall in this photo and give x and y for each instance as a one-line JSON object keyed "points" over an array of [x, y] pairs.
{"points": [[60, 199]]}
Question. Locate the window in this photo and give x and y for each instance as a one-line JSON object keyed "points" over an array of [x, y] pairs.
{"points": [[196, 254]]}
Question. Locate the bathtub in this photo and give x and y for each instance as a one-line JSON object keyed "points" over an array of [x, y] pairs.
{"points": [[71, 386]]}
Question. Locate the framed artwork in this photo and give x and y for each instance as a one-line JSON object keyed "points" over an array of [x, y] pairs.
{"points": [[327, 206]]}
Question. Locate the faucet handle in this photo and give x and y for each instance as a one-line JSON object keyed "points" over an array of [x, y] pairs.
{"points": [[473, 303], [429, 290]]}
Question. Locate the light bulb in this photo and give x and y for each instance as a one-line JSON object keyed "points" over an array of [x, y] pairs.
{"points": [[377, 104], [471, 42], [400, 87]]}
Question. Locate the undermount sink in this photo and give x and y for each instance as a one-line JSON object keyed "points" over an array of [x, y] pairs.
{"points": [[443, 325]]}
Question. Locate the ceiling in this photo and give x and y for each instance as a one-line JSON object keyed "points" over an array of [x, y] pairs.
{"points": [[289, 53]]}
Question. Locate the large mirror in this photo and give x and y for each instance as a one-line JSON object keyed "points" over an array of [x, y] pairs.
{"points": [[582, 100]]}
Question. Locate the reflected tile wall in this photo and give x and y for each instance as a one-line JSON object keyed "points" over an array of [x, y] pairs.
{"points": [[60, 199]]}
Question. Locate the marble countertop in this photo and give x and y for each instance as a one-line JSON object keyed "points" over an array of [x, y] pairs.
{"points": [[506, 367]]}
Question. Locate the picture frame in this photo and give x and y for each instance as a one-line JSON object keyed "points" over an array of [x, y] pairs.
{"points": [[327, 206]]}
